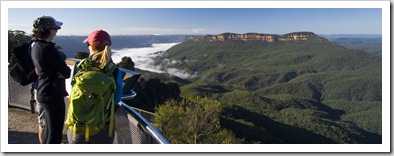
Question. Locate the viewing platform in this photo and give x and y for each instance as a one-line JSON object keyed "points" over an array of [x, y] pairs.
{"points": [[132, 125]]}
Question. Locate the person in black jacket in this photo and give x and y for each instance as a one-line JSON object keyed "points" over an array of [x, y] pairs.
{"points": [[52, 72]]}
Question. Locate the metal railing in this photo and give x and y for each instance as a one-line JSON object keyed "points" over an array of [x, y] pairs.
{"points": [[130, 126], [140, 130]]}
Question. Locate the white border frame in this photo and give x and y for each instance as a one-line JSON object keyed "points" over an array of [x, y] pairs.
{"points": [[384, 147]]}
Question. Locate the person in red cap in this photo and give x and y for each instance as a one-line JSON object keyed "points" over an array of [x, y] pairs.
{"points": [[50, 87], [98, 43]]}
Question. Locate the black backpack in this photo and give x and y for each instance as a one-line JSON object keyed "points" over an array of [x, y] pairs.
{"points": [[21, 66]]}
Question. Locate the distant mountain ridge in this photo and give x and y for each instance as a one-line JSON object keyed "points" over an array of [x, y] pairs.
{"points": [[73, 44], [292, 88], [295, 36]]}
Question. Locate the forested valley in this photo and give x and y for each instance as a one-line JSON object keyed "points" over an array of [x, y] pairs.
{"points": [[311, 91]]}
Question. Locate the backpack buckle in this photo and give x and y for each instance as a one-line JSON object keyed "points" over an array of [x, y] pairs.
{"points": [[92, 96]]}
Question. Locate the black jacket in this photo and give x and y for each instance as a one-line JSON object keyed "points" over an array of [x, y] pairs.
{"points": [[52, 71]]}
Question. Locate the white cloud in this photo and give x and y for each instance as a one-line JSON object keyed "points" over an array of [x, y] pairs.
{"points": [[199, 31], [179, 73], [142, 57]]}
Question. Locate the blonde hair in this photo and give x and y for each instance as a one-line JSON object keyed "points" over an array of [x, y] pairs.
{"points": [[101, 54]]}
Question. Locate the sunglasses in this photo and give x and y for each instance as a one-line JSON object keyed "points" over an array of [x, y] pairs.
{"points": [[87, 45]]}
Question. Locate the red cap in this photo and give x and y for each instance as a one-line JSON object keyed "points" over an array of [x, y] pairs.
{"points": [[98, 37]]}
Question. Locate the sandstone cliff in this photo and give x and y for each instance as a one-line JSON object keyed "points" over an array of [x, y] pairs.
{"points": [[296, 36]]}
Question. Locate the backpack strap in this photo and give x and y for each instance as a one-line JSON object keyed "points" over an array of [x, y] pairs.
{"points": [[85, 64], [112, 115], [111, 69]]}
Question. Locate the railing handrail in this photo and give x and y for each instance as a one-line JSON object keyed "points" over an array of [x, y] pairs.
{"points": [[152, 130], [142, 111]]}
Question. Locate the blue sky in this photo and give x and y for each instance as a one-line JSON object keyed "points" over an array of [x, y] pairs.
{"points": [[137, 21]]}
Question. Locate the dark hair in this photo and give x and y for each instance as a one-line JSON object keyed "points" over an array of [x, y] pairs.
{"points": [[41, 33]]}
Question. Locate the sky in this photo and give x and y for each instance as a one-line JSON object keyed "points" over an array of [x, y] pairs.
{"points": [[202, 21]]}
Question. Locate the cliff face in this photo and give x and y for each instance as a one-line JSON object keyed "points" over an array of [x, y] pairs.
{"points": [[296, 36]]}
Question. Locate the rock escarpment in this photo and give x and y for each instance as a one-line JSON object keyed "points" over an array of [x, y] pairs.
{"points": [[295, 36]]}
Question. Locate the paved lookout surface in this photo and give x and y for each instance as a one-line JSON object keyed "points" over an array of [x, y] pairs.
{"points": [[23, 127]]}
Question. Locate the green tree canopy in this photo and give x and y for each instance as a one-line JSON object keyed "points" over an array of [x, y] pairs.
{"points": [[192, 121], [16, 38]]}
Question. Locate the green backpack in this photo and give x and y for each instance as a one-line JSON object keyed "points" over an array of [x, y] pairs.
{"points": [[91, 103]]}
